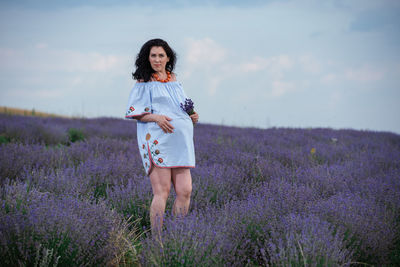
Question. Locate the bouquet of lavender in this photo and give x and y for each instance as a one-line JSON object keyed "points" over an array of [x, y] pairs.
{"points": [[188, 107]]}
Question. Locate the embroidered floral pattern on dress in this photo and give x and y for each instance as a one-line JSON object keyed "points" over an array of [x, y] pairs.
{"points": [[130, 110], [146, 157], [155, 153]]}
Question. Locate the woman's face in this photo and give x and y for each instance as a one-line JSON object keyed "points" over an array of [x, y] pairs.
{"points": [[158, 58]]}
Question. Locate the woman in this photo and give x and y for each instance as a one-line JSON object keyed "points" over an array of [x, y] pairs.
{"points": [[164, 130]]}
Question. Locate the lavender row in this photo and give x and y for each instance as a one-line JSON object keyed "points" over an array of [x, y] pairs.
{"points": [[280, 196]]}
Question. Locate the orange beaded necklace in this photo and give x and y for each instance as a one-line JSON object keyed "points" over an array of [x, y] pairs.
{"points": [[155, 76]]}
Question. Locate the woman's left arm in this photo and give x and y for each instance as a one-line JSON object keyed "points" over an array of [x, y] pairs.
{"points": [[194, 117]]}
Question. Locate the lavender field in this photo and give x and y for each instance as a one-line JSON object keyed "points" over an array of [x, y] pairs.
{"points": [[74, 193]]}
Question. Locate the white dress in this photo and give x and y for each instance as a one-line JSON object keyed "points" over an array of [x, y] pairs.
{"points": [[166, 150]]}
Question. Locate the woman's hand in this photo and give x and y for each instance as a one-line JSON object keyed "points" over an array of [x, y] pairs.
{"points": [[163, 122], [195, 118]]}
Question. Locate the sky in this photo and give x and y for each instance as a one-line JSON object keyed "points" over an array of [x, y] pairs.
{"points": [[276, 63]]}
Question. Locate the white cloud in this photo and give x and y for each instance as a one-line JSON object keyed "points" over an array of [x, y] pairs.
{"points": [[86, 62], [329, 78], [278, 64], [204, 51], [364, 74], [47, 60], [256, 64], [208, 57], [282, 61], [280, 88], [77, 81], [41, 45], [104, 63], [275, 65], [310, 64]]}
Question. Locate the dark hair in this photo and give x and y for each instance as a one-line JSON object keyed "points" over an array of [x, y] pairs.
{"points": [[143, 67]]}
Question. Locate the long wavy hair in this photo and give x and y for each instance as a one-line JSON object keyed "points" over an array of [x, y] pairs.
{"points": [[143, 67]]}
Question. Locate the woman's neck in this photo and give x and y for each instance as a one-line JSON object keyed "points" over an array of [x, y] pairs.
{"points": [[162, 74]]}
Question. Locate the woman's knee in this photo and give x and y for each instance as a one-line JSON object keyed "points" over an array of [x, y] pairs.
{"points": [[162, 192], [184, 191], [182, 181]]}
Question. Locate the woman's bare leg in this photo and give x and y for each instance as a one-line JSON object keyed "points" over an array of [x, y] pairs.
{"points": [[161, 184], [182, 180]]}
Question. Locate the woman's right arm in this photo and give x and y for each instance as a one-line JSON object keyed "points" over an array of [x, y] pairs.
{"points": [[161, 120]]}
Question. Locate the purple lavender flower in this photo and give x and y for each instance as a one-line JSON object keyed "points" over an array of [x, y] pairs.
{"points": [[257, 198], [188, 107]]}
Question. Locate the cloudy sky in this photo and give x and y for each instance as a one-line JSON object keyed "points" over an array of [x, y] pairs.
{"points": [[245, 63]]}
